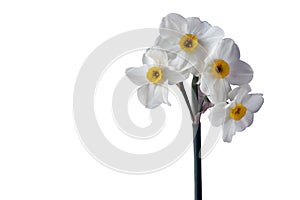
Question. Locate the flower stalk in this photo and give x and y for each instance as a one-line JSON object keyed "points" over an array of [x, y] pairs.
{"points": [[197, 104], [197, 162], [197, 101]]}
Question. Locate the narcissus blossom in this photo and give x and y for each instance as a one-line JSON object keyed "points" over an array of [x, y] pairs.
{"points": [[237, 115], [191, 46], [154, 76], [189, 38], [223, 68]]}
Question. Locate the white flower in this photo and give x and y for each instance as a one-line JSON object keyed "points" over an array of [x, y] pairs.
{"points": [[223, 68], [153, 78], [238, 114], [189, 38]]}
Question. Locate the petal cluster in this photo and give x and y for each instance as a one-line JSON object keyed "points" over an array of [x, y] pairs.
{"points": [[189, 38], [154, 77], [223, 68], [190, 46], [236, 115]]}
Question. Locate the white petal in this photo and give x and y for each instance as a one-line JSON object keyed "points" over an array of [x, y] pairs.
{"points": [[142, 94], [184, 60], [240, 73], [195, 71], [175, 77], [147, 96], [155, 57], [152, 95], [211, 38], [165, 93], [174, 22], [245, 122], [137, 75], [203, 85], [218, 114], [239, 93], [168, 38], [196, 26], [179, 63], [228, 130], [197, 59], [168, 44], [219, 91], [207, 82], [253, 102], [227, 50]]}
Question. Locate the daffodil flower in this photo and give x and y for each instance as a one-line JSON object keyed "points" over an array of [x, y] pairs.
{"points": [[223, 68], [154, 76], [238, 114], [189, 38]]}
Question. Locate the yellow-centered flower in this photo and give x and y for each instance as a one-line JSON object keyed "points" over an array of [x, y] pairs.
{"points": [[238, 112], [220, 69], [188, 42], [185, 36], [154, 74]]}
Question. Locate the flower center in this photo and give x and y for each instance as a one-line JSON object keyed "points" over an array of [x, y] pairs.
{"points": [[238, 112], [154, 74], [220, 69], [188, 42]]}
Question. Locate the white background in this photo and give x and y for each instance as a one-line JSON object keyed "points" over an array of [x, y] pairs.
{"points": [[42, 47]]}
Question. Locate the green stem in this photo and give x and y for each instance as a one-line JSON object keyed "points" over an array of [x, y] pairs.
{"points": [[197, 162], [197, 141]]}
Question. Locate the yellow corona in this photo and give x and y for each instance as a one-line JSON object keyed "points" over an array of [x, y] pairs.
{"points": [[220, 69], [238, 112], [188, 42], [154, 74]]}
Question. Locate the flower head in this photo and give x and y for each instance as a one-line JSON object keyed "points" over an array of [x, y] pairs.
{"points": [[222, 68], [238, 114], [154, 76], [189, 38]]}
